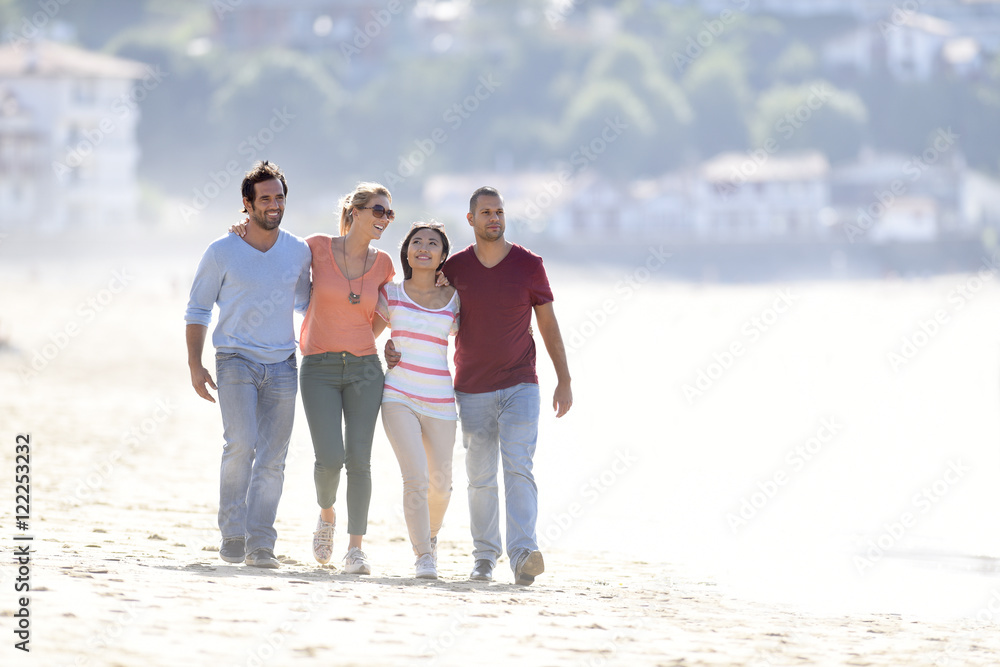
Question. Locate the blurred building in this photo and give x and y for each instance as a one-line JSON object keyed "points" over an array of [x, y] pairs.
{"points": [[964, 11], [23, 161], [68, 150], [908, 220], [898, 197], [860, 9], [910, 47], [740, 198], [732, 198], [308, 25], [743, 198], [528, 196], [980, 201]]}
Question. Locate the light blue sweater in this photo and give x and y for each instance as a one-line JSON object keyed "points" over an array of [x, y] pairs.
{"points": [[256, 292]]}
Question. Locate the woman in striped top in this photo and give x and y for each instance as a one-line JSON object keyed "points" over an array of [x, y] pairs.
{"points": [[418, 400]]}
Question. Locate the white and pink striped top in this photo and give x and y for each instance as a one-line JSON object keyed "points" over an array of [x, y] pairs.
{"points": [[421, 379]]}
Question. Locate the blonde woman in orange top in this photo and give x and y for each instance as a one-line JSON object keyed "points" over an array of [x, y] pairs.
{"points": [[341, 376]]}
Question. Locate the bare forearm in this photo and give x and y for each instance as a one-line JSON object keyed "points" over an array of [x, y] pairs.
{"points": [[195, 335], [551, 336], [548, 326]]}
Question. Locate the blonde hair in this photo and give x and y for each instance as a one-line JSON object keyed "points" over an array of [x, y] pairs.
{"points": [[362, 194]]}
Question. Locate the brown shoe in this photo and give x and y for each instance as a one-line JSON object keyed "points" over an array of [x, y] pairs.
{"points": [[530, 566]]}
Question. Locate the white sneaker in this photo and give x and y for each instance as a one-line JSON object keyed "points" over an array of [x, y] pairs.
{"points": [[323, 541], [426, 568], [356, 562], [434, 550]]}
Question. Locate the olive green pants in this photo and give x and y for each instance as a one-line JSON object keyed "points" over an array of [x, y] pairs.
{"points": [[341, 394]]}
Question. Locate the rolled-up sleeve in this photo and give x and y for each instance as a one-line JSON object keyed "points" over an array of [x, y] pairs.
{"points": [[204, 291]]}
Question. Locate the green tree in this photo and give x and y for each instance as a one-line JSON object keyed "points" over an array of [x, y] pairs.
{"points": [[797, 63], [716, 85], [815, 115], [624, 80]]}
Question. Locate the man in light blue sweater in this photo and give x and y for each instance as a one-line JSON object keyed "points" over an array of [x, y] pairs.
{"points": [[256, 281]]}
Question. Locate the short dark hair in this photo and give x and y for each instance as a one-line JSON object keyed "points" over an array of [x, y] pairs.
{"points": [[414, 228], [487, 190], [261, 171]]}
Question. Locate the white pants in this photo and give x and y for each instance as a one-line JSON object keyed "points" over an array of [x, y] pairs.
{"points": [[424, 447]]}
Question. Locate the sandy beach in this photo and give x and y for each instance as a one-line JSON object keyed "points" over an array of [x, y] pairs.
{"points": [[773, 474]]}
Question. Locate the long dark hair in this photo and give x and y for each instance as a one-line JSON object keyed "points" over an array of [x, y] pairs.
{"points": [[414, 228]]}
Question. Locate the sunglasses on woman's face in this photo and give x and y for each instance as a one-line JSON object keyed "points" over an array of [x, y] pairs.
{"points": [[378, 211]]}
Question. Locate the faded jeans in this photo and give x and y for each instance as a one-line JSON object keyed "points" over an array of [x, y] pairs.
{"points": [[501, 427], [258, 405]]}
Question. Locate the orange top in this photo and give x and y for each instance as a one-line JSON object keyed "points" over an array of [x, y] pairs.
{"points": [[333, 323]]}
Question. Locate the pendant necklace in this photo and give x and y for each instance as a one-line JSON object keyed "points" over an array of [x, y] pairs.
{"points": [[354, 298]]}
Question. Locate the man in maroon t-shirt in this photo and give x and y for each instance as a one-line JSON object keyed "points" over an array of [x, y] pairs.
{"points": [[500, 284]]}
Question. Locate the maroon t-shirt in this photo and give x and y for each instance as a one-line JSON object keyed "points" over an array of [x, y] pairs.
{"points": [[493, 349]]}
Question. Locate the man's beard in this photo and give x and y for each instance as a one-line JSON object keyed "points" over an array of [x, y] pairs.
{"points": [[261, 220]]}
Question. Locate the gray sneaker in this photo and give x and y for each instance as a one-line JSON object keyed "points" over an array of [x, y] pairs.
{"points": [[262, 557], [233, 550], [356, 562], [426, 568]]}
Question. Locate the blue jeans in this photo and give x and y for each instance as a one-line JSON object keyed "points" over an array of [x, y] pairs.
{"points": [[500, 426], [258, 406]]}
